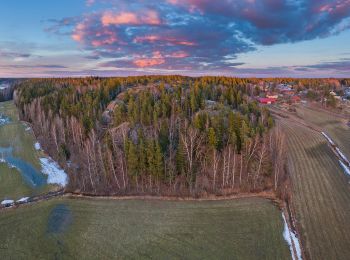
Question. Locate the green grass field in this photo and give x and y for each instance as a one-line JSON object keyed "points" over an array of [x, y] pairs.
{"points": [[132, 229], [321, 190], [13, 136], [12, 184]]}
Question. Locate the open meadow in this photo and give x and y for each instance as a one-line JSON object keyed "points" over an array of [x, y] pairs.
{"points": [[321, 192], [20, 168], [65, 228]]}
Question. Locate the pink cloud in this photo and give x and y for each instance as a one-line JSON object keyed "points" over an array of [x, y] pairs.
{"points": [[149, 17], [103, 37], [170, 41], [107, 41], [156, 59], [336, 8], [147, 38], [178, 54], [142, 63], [79, 32]]}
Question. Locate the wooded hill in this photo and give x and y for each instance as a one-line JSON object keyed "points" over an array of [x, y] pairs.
{"points": [[168, 135]]}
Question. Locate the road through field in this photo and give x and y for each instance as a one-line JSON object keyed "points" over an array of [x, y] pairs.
{"points": [[321, 193]]}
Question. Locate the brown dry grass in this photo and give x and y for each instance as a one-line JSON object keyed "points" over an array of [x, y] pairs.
{"points": [[321, 193]]}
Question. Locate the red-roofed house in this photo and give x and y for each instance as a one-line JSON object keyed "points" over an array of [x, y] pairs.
{"points": [[295, 99], [267, 100]]}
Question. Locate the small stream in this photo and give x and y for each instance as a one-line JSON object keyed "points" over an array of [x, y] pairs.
{"points": [[30, 175]]}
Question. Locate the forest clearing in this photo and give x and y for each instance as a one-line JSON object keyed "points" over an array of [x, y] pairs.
{"points": [[64, 228], [321, 192]]}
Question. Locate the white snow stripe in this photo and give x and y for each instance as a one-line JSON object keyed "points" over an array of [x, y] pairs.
{"points": [[342, 155], [345, 168], [328, 138], [291, 238]]}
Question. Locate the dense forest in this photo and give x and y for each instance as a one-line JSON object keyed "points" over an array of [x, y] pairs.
{"points": [[169, 135]]}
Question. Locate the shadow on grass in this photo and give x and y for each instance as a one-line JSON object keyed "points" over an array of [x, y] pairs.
{"points": [[60, 219]]}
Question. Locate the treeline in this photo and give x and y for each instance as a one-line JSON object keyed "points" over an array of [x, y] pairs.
{"points": [[168, 135]]}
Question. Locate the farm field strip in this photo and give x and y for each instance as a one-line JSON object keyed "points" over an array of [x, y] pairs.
{"points": [[333, 125], [320, 193], [249, 228], [343, 160]]}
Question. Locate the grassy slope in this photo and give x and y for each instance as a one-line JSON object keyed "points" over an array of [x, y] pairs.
{"points": [[133, 229], [321, 194]]}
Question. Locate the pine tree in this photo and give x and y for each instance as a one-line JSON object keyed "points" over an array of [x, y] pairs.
{"points": [[142, 156], [131, 110], [212, 138], [244, 131], [213, 145], [158, 160], [133, 160], [180, 159], [150, 157]]}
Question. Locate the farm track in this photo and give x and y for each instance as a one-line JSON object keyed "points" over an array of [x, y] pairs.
{"points": [[35, 199], [321, 193], [62, 193]]}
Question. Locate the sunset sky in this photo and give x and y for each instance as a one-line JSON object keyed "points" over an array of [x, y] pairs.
{"points": [[247, 38]]}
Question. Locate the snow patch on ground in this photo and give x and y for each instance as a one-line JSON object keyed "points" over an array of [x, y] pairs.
{"points": [[328, 138], [345, 168], [37, 146], [11, 166], [342, 155], [291, 238], [23, 200], [55, 174], [7, 202], [27, 126], [4, 120]]}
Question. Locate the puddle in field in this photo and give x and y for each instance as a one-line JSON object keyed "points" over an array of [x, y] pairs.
{"points": [[30, 175], [60, 219]]}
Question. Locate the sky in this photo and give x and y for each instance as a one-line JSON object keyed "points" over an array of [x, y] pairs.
{"points": [[243, 38]]}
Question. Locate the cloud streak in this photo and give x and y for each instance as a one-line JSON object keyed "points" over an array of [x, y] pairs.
{"points": [[12, 54]]}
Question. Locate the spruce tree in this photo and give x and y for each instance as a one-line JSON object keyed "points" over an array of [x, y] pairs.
{"points": [[132, 160]]}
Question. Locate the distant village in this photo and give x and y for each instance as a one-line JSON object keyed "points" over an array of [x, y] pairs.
{"points": [[338, 96]]}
